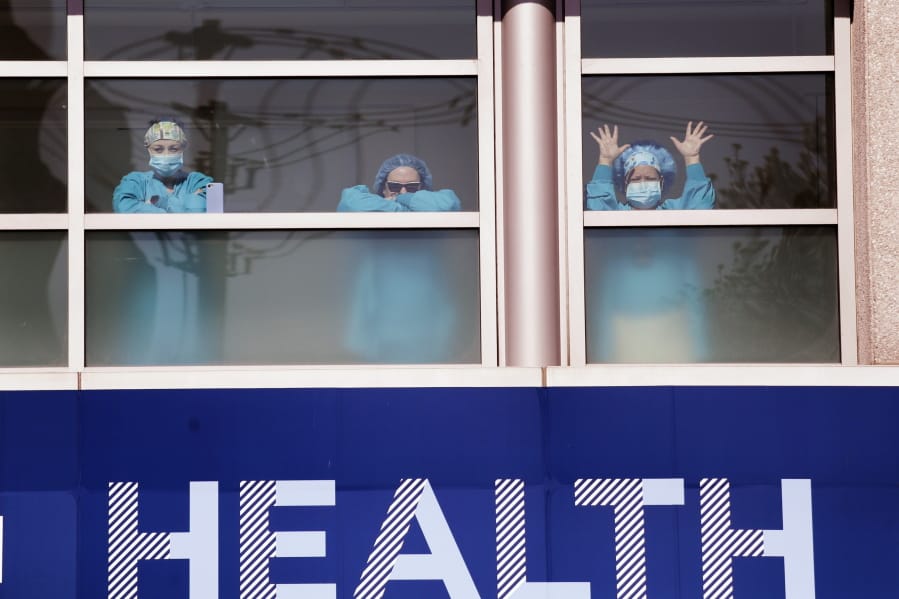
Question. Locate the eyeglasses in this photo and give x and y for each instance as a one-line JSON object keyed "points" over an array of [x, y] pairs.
{"points": [[395, 187]]}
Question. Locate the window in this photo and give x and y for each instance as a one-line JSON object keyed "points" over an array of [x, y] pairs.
{"points": [[286, 106], [220, 297], [709, 28], [33, 30], [33, 155], [761, 272], [279, 30], [33, 319], [285, 144], [34, 253]]}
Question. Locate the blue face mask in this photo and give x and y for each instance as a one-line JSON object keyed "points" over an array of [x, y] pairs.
{"points": [[167, 165], [644, 195]]}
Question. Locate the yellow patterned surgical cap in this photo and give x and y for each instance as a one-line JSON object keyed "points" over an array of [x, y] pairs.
{"points": [[164, 130]]}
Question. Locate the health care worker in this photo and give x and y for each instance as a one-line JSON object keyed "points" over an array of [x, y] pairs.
{"points": [[645, 171], [401, 309], [644, 286], [167, 187], [402, 184]]}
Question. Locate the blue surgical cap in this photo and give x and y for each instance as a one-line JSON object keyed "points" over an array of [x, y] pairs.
{"points": [[397, 161], [650, 154]]}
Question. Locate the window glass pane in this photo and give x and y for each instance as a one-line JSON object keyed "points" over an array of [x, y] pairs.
{"points": [[279, 29], [282, 297], [33, 156], [646, 28], [716, 294], [772, 144], [33, 317], [33, 30], [283, 145]]}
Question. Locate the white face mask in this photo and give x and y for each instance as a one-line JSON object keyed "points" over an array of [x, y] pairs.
{"points": [[644, 195], [167, 165]]}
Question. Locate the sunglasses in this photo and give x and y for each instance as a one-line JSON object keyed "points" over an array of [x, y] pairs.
{"points": [[395, 187]]}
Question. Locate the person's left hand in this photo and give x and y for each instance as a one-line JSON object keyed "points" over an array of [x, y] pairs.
{"points": [[693, 139]]}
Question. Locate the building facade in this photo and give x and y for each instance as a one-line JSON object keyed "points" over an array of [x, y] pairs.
{"points": [[715, 378]]}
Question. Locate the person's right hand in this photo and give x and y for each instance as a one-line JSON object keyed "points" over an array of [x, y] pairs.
{"points": [[607, 140]]}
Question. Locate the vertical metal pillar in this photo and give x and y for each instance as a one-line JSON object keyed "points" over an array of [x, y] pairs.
{"points": [[530, 189]]}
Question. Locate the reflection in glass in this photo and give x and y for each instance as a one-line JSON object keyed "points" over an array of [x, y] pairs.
{"points": [[285, 145], [282, 297], [657, 28], [723, 294], [32, 29], [279, 30], [33, 303], [33, 157], [773, 144]]}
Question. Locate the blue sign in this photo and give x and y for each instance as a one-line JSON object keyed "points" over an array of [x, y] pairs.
{"points": [[575, 493], [38, 494]]}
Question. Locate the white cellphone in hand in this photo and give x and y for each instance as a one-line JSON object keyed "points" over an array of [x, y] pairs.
{"points": [[215, 197]]}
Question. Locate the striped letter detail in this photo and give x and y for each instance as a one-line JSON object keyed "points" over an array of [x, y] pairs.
{"points": [[390, 540], [626, 496], [721, 543], [127, 546], [511, 562], [257, 544], [511, 558]]}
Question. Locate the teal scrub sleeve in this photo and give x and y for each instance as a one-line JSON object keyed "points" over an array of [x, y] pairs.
{"points": [[190, 194], [699, 193], [130, 194], [360, 199], [601, 191], [444, 200]]}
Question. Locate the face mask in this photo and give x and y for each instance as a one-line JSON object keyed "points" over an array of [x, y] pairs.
{"points": [[644, 195], [168, 165]]}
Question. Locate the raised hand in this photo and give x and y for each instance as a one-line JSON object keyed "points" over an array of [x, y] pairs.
{"points": [[693, 139], [607, 140]]}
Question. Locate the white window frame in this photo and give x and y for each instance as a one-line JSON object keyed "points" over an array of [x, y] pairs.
{"points": [[76, 224], [578, 219]]}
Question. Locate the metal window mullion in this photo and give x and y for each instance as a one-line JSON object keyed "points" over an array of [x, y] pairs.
{"points": [[75, 187], [486, 187], [366, 376], [43, 379], [707, 66], [282, 68], [723, 375], [711, 218], [499, 185], [845, 204], [282, 220], [33, 68], [577, 316], [34, 222], [562, 195]]}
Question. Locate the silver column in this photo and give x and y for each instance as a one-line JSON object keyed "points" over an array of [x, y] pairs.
{"points": [[530, 202]]}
